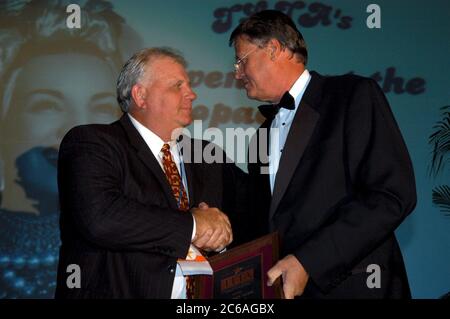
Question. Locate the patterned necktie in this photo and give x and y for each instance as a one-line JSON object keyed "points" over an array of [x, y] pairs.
{"points": [[179, 192], [174, 179]]}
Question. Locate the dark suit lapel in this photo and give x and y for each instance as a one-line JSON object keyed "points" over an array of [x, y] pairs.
{"points": [[188, 145], [298, 138], [190, 181], [146, 156]]}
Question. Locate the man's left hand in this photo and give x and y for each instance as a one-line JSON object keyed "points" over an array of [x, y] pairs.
{"points": [[294, 276]]}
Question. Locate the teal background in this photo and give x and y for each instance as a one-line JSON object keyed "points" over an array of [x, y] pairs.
{"points": [[414, 39]]}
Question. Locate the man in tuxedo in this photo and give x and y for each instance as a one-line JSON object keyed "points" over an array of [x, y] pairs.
{"points": [[337, 179], [130, 205]]}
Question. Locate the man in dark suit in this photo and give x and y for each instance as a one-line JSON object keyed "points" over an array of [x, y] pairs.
{"points": [[337, 179], [125, 221]]}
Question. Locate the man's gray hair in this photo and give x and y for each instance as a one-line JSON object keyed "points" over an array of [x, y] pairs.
{"points": [[134, 70]]}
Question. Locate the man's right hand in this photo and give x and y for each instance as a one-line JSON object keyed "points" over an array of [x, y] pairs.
{"points": [[213, 228]]}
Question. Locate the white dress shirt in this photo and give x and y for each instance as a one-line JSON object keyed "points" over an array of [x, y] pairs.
{"points": [[155, 143], [281, 124]]}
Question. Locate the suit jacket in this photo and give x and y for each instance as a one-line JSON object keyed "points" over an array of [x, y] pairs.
{"points": [[119, 219], [344, 183]]}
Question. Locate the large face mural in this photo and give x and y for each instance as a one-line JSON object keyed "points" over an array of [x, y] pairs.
{"points": [[52, 78]]}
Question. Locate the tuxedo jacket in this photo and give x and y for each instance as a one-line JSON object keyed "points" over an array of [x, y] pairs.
{"points": [[345, 182], [119, 219]]}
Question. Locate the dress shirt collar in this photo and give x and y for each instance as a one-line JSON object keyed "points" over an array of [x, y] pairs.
{"points": [[154, 142], [299, 87]]}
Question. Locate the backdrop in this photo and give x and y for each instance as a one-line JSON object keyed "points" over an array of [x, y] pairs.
{"points": [[55, 75]]}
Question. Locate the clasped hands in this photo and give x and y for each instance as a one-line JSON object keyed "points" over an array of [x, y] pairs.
{"points": [[213, 233], [213, 228]]}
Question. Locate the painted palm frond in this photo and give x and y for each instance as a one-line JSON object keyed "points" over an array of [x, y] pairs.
{"points": [[440, 140], [441, 198]]}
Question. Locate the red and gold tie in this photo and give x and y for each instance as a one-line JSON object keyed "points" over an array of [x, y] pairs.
{"points": [[171, 170], [179, 192]]}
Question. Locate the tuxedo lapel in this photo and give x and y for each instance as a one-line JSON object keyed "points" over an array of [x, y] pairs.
{"points": [[300, 133], [147, 158]]}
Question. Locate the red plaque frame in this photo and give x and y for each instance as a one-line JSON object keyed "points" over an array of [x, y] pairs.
{"points": [[241, 272]]}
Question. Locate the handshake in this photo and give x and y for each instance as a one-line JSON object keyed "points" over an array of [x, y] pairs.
{"points": [[213, 228]]}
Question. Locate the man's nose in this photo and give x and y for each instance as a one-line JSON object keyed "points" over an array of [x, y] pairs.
{"points": [[191, 94]]}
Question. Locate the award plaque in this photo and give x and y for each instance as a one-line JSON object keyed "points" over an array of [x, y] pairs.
{"points": [[241, 272]]}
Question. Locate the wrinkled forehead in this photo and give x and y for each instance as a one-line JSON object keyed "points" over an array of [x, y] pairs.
{"points": [[165, 68]]}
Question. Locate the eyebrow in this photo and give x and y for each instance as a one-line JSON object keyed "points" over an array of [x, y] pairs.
{"points": [[102, 95], [54, 93], [176, 81]]}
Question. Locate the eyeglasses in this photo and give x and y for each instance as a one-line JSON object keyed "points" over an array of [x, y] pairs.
{"points": [[240, 61]]}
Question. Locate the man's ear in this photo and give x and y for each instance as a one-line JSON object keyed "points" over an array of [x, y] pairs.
{"points": [[274, 49], [139, 95]]}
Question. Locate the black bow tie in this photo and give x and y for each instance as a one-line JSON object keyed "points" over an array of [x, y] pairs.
{"points": [[270, 110]]}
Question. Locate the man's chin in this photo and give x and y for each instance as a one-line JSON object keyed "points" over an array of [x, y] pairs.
{"points": [[251, 95], [186, 122]]}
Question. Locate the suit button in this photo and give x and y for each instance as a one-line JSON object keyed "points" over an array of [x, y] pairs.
{"points": [[171, 269]]}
